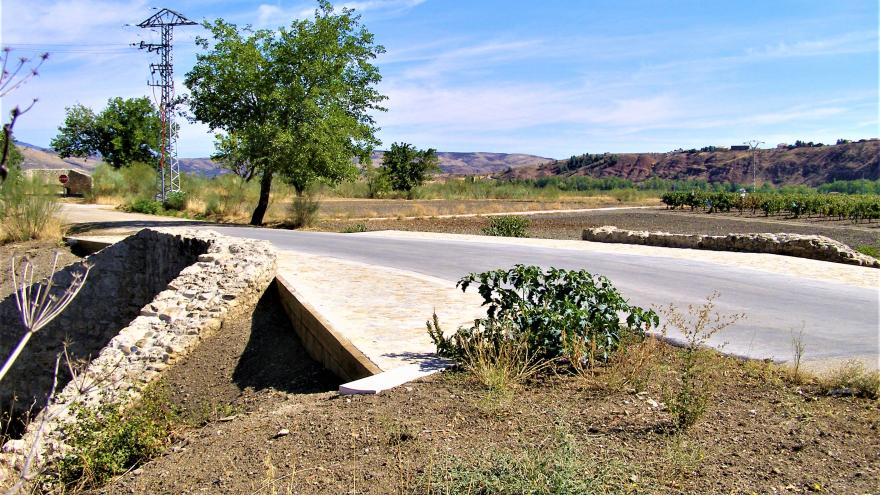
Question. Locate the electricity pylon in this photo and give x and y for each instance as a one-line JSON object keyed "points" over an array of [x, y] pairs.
{"points": [[753, 144], [162, 77]]}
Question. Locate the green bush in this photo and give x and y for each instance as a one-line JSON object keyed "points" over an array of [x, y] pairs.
{"points": [[176, 201], [558, 313], [304, 211], [110, 441], [27, 207], [358, 227], [147, 206], [867, 249], [508, 226]]}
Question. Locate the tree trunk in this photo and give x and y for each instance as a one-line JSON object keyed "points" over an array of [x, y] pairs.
{"points": [[263, 203]]}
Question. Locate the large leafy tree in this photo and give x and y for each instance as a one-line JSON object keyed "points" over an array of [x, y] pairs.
{"points": [[407, 167], [126, 131], [295, 102]]}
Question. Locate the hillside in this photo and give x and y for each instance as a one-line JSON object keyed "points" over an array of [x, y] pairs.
{"points": [[809, 166], [452, 163], [479, 163]]}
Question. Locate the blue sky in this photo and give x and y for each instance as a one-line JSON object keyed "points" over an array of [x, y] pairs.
{"points": [[552, 78]]}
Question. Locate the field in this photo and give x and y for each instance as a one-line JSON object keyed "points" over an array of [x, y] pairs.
{"points": [[283, 430], [571, 225]]}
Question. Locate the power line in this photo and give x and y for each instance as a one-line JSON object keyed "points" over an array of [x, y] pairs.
{"points": [[753, 145], [163, 78]]}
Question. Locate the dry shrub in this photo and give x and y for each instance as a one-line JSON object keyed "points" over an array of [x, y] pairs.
{"points": [[28, 210], [690, 398], [633, 365], [852, 378]]}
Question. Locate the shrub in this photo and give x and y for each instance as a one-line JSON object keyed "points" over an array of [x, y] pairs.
{"points": [[304, 211], [27, 208], [689, 400], [501, 361], [358, 227], [852, 378], [146, 206], [110, 441], [867, 249], [176, 201], [555, 312], [507, 226]]}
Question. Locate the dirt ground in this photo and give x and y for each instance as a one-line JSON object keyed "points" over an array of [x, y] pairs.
{"points": [[571, 225], [332, 208], [40, 254], [277, 427]]}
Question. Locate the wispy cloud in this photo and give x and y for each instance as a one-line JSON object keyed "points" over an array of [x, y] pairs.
{"points": [[276, 14], [98, 22]]}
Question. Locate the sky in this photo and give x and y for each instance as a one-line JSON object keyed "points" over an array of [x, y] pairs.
{"points": [[551, 78]]}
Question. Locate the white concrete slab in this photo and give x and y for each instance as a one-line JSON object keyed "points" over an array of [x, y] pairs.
{"points": [[393, 378]]}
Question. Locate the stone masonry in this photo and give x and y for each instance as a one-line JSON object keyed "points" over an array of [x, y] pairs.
{"points": [[198, 278], [815, 247]]}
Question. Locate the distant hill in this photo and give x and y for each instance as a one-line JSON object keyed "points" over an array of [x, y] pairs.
{"points": [[811, 166], [452, 163]]}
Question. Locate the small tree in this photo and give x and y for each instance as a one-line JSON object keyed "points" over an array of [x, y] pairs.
{"points": [[126, 131], [297, 101], [406, 167]]}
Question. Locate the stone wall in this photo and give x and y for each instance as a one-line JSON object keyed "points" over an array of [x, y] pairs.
{"points": [[815, 247], [197, 278]]}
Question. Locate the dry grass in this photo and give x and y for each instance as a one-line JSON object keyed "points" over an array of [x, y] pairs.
{"points": [[504, 367], [851, 378]]}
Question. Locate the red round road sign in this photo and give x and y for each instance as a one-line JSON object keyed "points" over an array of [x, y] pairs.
{"points": [[63, 179]]}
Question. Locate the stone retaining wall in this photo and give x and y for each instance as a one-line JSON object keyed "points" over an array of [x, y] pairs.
{"points": [[815, 247], [200, 277]]}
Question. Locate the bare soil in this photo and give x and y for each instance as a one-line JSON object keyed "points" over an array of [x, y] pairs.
{"points": [[571, 225], [274, 424], [41, 255], [341, 208]]}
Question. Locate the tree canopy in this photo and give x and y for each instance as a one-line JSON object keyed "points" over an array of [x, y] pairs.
{"points": [[126, 131], [295, 102], [407, 167]]}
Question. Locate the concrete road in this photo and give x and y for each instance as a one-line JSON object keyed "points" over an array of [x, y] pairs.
{"points": [[839, 320]]}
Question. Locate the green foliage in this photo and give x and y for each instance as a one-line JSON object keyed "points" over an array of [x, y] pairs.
{"points": [[14, 157], [854, 378], [146, 206], [176, 201], [407, 167], [377, 181], [690, 398], [304, 211], [27, 206], [110, 441], [856, 207], [136, 181], [859, 186], [873, 251], [507, 226], [296, 102], [126, 131], [552, 466], [358, 227], [557, 312]]}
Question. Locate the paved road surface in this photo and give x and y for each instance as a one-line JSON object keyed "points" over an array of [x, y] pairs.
{"points": [[839, 321]]}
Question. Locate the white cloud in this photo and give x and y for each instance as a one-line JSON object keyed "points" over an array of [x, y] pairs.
{"points": [[94, 22]]}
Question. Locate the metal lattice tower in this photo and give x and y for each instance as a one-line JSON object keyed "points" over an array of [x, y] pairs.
{"points": [[162, 77], [753, 145]]}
